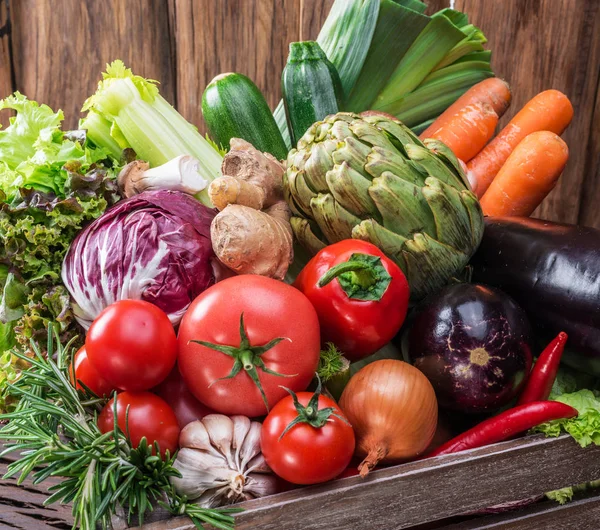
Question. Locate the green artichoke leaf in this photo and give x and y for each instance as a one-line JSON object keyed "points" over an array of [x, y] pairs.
{"points": [[475, 215], [452, 220], [400, 134], [299, 191], [447, 156], [319, 162], [402, 205], [389, 242], [433, 165], [354, 153], [428, 262], [351, 189], [303, 233], [333, 219], [340, 129], [370, 134], [381, 160]]}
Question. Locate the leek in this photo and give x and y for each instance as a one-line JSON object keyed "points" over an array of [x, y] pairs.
{"points": [[392, 57], [387, 48], [429, 48], [142, 119]]}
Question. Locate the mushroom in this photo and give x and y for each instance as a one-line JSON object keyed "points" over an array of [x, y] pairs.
{"points": [[179, 174]]}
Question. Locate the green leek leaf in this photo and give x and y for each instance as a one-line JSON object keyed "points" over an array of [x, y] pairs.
{"points": [[389, 45], [437, 39]]}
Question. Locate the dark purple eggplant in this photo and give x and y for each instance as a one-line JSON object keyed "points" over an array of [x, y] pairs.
{"points": [[473, 344], [553, 271]]}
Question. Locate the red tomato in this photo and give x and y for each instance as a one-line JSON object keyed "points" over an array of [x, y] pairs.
{"points": [[271, 310], [176, 393], [364, 314], [149, 417], [132, 344], [88, 375], [306, 454]]}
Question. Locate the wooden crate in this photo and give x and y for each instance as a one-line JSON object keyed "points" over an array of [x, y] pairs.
{"points": [[431, 494]]}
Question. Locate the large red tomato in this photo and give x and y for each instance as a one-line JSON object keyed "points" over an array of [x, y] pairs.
{"points": [[278, 344], [132, 344], [317, 448], [85, 373], [149, 417]]}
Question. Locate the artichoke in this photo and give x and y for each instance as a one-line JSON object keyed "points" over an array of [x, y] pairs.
{"points": [[369, 177]]}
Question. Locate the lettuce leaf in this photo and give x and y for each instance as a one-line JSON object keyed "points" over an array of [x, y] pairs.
{"points": [[585, 428], [34, 149]]}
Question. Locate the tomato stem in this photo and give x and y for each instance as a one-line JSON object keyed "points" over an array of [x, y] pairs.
{"points": [[311, 414], [247, 357]]}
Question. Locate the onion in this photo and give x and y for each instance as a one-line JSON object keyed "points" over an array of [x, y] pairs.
{"points": [[393, 410]]}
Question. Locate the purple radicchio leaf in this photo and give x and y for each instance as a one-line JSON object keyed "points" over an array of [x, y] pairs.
{"points": [[154, 246]]}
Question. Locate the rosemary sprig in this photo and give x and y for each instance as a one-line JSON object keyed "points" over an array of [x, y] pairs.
{"points": [[57, 434]]}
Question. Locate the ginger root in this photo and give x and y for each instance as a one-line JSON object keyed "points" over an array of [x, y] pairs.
{"points": [[251, 234]]}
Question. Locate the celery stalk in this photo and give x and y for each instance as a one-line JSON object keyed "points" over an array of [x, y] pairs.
{"points": [[430, 47], [98, 131], [142, 119]]}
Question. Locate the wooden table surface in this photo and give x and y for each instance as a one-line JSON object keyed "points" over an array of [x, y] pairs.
{"points": [[54, 51]]}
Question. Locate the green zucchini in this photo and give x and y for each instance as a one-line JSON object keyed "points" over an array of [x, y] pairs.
{"points": [[234, 107], [311, 88]]}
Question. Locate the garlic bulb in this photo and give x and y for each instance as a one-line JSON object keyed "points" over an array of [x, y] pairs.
{"points": [[221, 463]]}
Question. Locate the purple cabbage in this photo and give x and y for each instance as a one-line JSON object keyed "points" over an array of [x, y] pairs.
{"points": [[154, 247]]}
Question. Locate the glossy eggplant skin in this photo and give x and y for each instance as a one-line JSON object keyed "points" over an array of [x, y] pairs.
{"points": [[553, 271], [473, 344]]}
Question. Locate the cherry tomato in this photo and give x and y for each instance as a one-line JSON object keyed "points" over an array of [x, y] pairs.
{"points": [[257, 328], [365, 300], [132, 344], [176, 393], [149, 417], [88, 375], [306, 454]]}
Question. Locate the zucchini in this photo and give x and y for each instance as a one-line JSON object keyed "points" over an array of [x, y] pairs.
{"points": [[311, 88], [234, 107]]}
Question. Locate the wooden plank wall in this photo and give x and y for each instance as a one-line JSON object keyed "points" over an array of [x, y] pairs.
{"points": [[56, 50]]}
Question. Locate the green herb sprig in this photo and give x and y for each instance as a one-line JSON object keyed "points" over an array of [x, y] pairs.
{"points": [[57, 434]]}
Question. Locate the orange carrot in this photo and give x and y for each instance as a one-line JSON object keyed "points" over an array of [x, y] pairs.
{"points": [[550, 111], [529, 174], [467, 131], [493, 91]]}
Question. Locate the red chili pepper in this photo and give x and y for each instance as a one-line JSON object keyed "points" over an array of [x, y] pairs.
{"points": [[505, 425], [360, 295], [544, 372]]}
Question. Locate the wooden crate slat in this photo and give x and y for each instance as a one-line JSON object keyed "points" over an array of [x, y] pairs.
{"points": [[420, 492], [582, 514]]}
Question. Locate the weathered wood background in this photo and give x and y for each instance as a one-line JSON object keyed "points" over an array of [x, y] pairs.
{"points": [[54, 50]]}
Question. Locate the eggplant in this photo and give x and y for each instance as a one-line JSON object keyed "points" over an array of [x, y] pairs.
{"points": [[473, 344], [553, 271]]}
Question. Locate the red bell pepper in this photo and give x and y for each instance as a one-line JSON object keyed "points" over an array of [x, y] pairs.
{"points": [[361, 296], [544, 372], [505, 425]]}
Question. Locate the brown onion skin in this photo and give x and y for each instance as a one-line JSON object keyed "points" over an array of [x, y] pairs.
{"points": [[393, 409]]}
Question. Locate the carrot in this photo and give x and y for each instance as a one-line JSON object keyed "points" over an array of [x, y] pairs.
{"points": [[529, 174], [493, 91], [550, 111], [467, 131]]}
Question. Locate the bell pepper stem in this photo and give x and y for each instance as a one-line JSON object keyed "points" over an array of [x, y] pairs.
{"points": [[363, 273]]}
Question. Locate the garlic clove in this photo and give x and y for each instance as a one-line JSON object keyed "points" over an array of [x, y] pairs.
{"points": [[251, 446], [241, 426], [200, 472], [220, 431], [261, 485], [195, 435], [258, 465]]}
